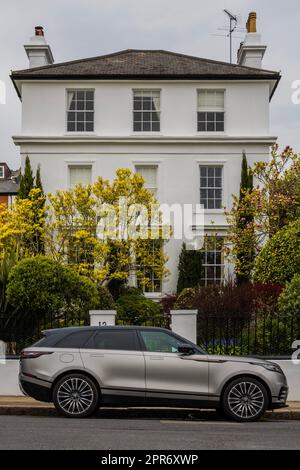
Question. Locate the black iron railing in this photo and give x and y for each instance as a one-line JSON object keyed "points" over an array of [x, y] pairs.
{"points": [[254, 334]]}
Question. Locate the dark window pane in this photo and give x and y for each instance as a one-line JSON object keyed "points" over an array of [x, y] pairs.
{"points": [[211, 193], [146, 117], [75, 340], [137, 126], [201, 127], [156, 126], [218, 193], [210, 116], [220, 126], [155, 117], [210, 204], [211, 171], [218, 203], [80, 105], [210, 272], [90, 95], [80, 126], [211, 126], [147, 103], [203, 170], [218, 182], [80, 116], [71, 126], [80, 95], [90, 126], [89, 116], [211, 182], [203, 182], [89, 105], [71, 116], [218, 171], [137, 103], [72, 105], [146, 126], [201, 116], [203, 194], [219, 116], [119, 340], [137, 116], [210, 258]]}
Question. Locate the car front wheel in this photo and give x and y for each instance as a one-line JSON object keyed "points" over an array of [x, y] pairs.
{"points": [[76, 396], [244, 399]]}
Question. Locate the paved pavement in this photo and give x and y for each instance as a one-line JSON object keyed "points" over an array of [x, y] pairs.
{"points": [[37, 432]]}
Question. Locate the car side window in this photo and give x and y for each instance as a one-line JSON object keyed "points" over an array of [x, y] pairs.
{"points": [[74, 340], [159, 341], [124, 340]]}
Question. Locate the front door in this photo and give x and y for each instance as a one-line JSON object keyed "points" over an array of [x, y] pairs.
{"points": [[114, 355], [172, 375]]}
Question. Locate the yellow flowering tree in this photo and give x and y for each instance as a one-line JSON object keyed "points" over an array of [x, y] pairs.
{"points": [[102, 229], [22, 228]]}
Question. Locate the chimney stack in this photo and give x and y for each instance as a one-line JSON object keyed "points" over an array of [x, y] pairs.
{"points": [[251, 51], [38, 51]]}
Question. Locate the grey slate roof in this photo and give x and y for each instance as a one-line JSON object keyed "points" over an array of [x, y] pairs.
{"points": [[133, 63], [9, 187]]}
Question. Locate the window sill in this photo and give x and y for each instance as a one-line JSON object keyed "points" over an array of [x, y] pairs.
{"points": [[80, 133]]}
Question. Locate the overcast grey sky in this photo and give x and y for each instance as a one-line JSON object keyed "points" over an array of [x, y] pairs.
{"points": [[86, 28]]}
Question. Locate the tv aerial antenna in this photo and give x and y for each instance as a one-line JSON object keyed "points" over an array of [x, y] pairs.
{"points": [[233, 28]]}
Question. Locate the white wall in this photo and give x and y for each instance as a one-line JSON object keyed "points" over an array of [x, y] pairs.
{"points": [[9, 378], [246, 107], [178, 172]]}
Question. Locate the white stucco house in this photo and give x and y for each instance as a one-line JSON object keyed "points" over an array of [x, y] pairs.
{"points": [[182, 121]]}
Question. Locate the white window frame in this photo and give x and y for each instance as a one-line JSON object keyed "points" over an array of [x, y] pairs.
{"points": [[134, 90], [70, 90], [78, 165], [2, 175], [205, 280], [212, 165], [206, 132], [151, 166]]}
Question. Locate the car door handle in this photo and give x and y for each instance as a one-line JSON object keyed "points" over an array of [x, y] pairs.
{"points": [[156, 358]]}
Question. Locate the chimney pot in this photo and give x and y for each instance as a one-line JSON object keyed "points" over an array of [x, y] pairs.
{"points": [[251, 23], [39, 31]]}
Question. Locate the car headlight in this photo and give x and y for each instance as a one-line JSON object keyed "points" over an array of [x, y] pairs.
{"points": [[269, 366]]}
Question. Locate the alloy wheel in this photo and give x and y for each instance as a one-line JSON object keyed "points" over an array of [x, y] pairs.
{"points": [[246, 400], [75, 396]]}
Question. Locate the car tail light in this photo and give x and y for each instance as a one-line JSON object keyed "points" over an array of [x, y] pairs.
{"points": [[33, 354]]}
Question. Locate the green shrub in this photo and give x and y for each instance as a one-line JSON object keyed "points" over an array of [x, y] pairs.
{"points": [[190, 270], [135, 309], [105, 299], [289, 300], [279, 260], [185, 299]]}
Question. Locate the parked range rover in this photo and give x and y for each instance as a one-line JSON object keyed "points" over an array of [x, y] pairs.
{"points": [[84, 368]]}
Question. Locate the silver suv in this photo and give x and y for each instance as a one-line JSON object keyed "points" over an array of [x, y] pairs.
{"points": [[81, 369]]}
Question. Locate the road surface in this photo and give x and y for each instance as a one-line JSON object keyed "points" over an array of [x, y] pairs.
{"points": [[37, 432]]}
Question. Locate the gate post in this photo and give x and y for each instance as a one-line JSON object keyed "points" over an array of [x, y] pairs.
{"points": [[103, 317], [184, 323]]}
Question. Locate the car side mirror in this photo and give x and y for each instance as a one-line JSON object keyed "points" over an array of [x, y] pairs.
{"points": [[186, 349]]}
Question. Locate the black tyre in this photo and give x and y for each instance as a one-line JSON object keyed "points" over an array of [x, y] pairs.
{"points": [[76, 396], [244, 399]]}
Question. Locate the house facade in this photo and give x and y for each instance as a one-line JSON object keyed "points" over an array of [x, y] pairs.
{"points": [[183, 122], [9, 184]]}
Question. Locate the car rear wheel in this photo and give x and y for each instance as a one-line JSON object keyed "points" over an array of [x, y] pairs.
{"points": [[244, 399], [76, 396]]}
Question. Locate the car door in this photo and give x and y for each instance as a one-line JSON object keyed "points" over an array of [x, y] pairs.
{"points": [[170, 374], [115, 357]]}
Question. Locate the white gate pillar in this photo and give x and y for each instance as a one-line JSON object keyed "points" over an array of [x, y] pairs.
{"points": [[184, 323], [103, 317]]}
